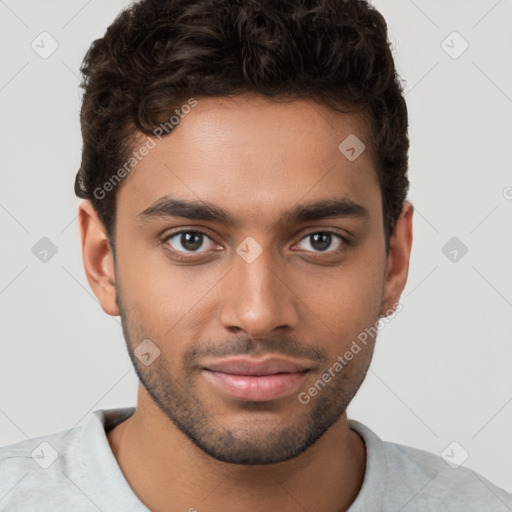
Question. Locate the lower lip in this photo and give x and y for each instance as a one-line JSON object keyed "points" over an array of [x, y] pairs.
{"points": [[255, 388]]}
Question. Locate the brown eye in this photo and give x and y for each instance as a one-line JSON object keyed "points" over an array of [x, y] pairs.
{"points": [[190, 241], [323, 241]]}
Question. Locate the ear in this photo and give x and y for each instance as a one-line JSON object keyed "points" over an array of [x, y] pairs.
{"points": [[400, 245], [97, 257]]}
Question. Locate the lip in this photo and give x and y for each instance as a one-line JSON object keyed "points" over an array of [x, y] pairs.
{"points": [[256, 388], [256, 380], [249, 366]]}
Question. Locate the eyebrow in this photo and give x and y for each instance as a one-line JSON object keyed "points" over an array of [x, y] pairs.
{"points": [[166, 207]]}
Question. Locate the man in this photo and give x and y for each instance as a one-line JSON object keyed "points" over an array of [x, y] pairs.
{"points": [[244, 176]]}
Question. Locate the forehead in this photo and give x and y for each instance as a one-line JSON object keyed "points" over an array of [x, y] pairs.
{"points": [[254, 157]]}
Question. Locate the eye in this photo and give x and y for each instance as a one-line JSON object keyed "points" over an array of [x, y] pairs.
{"points": [[190, 241], [323, 241]]}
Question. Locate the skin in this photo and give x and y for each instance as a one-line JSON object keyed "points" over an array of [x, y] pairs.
{"points": [[188, 446]]}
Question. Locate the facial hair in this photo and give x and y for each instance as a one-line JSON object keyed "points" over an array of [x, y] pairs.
{"points": [[177, 396]]}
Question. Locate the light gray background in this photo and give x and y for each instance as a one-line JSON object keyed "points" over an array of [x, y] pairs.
{"points": [[441, 371]]}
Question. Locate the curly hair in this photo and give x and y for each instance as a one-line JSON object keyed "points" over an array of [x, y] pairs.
{"points": [[159, 53]]}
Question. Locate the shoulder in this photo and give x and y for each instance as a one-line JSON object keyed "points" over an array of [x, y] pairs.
{"points": [[31, 469], [47, 472], [74, 469], [408, 479]]}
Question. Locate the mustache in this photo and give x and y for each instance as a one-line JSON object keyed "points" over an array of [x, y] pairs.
{"points": [[246, 346]]}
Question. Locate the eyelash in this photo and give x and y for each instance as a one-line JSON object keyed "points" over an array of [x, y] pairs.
{"points": [[179, 255]]}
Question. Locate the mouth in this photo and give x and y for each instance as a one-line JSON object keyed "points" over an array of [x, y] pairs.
{"points": [[256, 380]]}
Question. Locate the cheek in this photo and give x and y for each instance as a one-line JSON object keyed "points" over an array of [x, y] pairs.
{"points": [[165, 298], [347, 298]]}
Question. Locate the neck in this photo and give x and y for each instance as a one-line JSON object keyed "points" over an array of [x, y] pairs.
{"points": [[169, 473]]}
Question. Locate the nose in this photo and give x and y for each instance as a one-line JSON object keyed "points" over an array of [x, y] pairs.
{"points": [[257, 299]]}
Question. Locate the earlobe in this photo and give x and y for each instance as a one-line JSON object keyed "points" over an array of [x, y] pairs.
{"points": [[97, 257], [400, 246]]}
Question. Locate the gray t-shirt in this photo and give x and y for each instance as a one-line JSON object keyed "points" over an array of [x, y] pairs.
{"points": [[75, 470]]}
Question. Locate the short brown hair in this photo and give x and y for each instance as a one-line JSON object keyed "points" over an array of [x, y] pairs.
{"points": [[158, 53]]}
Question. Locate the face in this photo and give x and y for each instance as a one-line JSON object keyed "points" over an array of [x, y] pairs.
{"points": [[288, 261]]}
